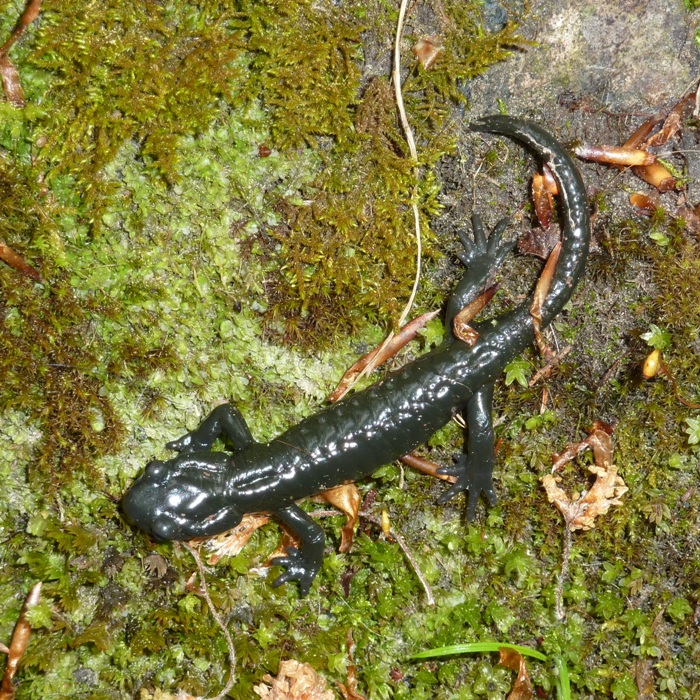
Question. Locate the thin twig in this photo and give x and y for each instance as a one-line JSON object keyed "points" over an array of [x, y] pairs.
{"points": [[414, 154], [563, 574], [31, 12], [396, 77], [219, 621], [399, 540], [18, 645]]}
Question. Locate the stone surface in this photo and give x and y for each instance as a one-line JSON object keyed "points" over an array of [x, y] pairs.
{"points": [[623, 56]]}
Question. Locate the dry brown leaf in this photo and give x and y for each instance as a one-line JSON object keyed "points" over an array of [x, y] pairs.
{"points": [[672, 123], [348, 499], [294, 681], [515, 661], [544, 202], [428, 49], [230, 543], [539, 242], [603, 451], [641, 134], [539, 297], [460, 323], [581, 513], [10, 82], [550, 183], [648, 203], [656, 175], [379, 355]]}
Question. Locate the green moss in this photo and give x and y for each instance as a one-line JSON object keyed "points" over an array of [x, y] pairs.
{"points": [[175, 255]]}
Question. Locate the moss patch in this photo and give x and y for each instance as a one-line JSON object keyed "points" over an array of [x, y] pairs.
{"points": [[198, 182]]}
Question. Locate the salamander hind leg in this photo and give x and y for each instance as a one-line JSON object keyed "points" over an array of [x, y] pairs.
{"points": [[481, 257], [303, 564], [474, 469]]}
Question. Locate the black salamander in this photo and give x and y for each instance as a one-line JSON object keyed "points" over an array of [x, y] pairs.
{"points": [[200, 493]]}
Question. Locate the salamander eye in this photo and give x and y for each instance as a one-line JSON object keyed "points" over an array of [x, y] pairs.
{"points": [[164, 531], [155, 469]]}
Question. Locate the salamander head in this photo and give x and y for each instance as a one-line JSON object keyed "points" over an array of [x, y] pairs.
{"points": [[183, 498]]}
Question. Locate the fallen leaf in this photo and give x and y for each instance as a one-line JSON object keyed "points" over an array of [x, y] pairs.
{"points": [[647, 203], [460, 323], [379, 355], [294, 681], [428, 49], [581, 513], [656, 175], [539, 297], [672, 123], [544, 202], [155, 564], [515, 661], [615, 155], [230, 543], [539, 242], [346, 498], [11, 83]]}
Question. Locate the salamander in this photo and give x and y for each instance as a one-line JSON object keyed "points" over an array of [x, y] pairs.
{"points": [[200, 492]]}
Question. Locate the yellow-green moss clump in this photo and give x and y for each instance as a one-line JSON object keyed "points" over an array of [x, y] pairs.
{"points": [[196, 181]]}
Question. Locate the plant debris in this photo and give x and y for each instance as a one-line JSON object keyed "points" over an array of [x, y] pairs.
{"points": [[515, 661], [18, 645], [294, 681], [8, 72], [581, 510], [17, 261], [379, 355], [428, 50]]}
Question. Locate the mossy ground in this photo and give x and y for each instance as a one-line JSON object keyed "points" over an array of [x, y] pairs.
{"points": [[182, 265]]}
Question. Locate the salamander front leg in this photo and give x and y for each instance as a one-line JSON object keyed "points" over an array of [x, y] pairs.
{"points": [[301, 564], [223, 420], [474, 470]]}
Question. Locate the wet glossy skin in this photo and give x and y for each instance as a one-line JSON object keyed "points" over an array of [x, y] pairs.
{"points": [[202, 493]]}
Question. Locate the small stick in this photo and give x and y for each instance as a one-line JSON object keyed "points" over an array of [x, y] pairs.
{"points": [[414, 564], [18, 262], [18, 645], [399, 540], [30, 13], [219, 621]]}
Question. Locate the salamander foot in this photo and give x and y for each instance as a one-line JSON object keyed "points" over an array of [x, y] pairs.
{"points": [[475, 481], [299, 567]]}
